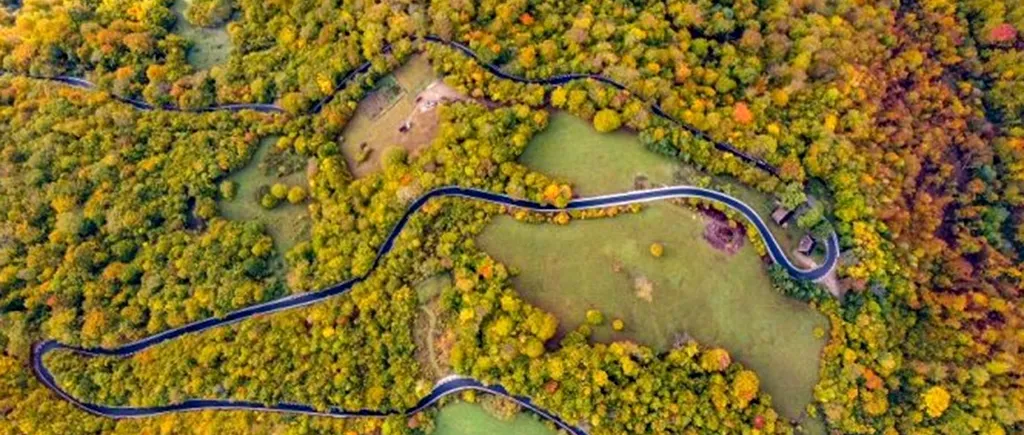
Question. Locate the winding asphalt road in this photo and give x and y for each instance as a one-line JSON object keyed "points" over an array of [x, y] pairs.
{"points": [[442, 388], [558, 80]]}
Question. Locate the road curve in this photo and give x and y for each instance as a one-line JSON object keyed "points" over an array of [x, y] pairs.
{"points": [[558, 80], [444, 387]]}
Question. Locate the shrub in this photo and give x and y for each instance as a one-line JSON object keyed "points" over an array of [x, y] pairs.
{"points": [[269, 201], [393, 156], [279, 190], [228, 189], [296, 194], [657, 250], [208, 13]]}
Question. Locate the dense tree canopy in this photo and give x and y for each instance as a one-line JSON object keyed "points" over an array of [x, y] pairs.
{"points": [[907, 116]]}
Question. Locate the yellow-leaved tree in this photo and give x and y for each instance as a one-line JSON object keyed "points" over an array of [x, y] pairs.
{"points": [[936, 400]]}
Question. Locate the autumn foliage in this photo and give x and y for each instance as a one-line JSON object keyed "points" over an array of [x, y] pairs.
{"points": [[901, 122]]}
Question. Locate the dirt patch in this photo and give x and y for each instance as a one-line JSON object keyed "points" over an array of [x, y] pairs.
{"points": [[383, 98], [413, 127], [721, 233], [641, 182], [644, 288]]}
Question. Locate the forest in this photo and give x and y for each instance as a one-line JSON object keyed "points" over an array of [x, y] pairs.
{"points": [[908, 113]]}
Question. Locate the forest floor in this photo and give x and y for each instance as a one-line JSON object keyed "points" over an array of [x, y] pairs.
{"points": [[287, 223], [693, 290], [211, 47], [462, 418], [376, 125]]}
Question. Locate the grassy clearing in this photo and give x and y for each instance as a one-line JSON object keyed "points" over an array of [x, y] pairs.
{"points": [[430, 288], [570, 148], [461, 418], [210, 47], [377, 121], [427, 328], [692, 290], [288, 223], [718, 299]]}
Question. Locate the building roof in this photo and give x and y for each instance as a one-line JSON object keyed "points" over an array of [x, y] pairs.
{"points": [[806, 244], [781, 214]]}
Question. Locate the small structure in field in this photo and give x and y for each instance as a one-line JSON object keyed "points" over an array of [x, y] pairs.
{"points": [[405, 126], [781, 215], [806, 245]]}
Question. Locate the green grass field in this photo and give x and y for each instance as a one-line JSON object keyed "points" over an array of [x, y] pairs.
{"points": [[288, 223], [461, 418], [571, 149], [719, 299], [568, 141], [210, 47]]}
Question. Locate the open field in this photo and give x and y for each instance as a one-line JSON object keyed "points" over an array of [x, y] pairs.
{"points": [[695, 290], [461, 418], [211, 47], [287, 223], [378, 119], [595, 163], [718, 299], [571, 149]]}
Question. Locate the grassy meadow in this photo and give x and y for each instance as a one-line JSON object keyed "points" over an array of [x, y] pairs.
{"points": [[287, 223], [376, 122], [462, 418], [211, 47], [693, 290]]}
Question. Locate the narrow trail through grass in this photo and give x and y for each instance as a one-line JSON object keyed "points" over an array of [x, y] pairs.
{"points": [[427, 292]]}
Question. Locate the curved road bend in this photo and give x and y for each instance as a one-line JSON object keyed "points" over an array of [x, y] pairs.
{"points": [[442, 388], [558, 80]]}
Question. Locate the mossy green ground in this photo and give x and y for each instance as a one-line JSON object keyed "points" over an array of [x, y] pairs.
{"points": [[717, 298], [461, 418], [287, 223], [210, 47]]}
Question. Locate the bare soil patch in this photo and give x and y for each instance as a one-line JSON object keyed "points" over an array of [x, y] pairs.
{"points": [[721, 233], [402, 111]]}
